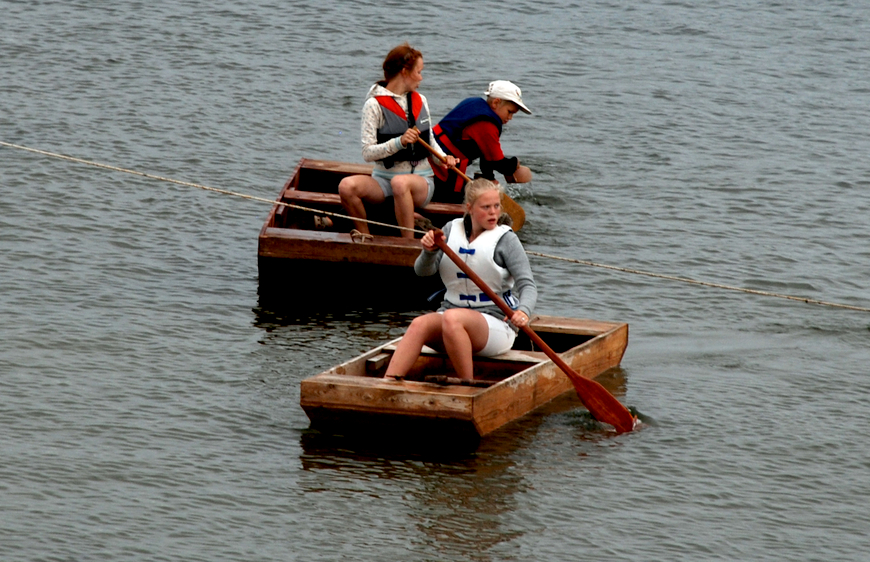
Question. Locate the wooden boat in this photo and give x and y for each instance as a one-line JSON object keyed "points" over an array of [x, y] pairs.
{"points": [[354, 396], [297, 252]]}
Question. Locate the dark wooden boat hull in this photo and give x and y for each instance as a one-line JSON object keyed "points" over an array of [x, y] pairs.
{"points": [[296, 257]]}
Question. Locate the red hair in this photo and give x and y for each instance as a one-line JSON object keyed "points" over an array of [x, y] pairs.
{"points": [[400, 58]]}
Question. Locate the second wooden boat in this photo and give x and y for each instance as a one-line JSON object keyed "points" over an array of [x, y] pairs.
{"points": [[307, 254], [314, 255]]}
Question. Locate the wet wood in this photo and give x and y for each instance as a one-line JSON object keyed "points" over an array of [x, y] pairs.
{"points": [[444, 380]]}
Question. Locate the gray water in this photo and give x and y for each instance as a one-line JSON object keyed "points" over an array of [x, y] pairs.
{"points": [[149, 401]]}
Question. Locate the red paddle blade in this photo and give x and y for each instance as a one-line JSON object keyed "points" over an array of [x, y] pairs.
{"points": [[601, 404]]}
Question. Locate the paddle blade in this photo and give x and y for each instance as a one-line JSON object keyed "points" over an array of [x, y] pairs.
{"points": [[601, 404], [517, 213]]}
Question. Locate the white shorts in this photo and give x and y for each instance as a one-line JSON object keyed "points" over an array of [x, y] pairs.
{"points": [[501, 337], [387, 188]]}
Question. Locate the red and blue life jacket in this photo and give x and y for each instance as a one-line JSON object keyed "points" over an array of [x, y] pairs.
{"points": [[396, 122], [448, 132]]}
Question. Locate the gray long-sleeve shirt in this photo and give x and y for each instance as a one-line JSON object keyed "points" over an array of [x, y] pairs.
{"points": [[509, 253]]}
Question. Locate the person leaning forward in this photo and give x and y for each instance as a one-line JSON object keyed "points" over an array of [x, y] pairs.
{"points": [[394, 116], [472, 130]]}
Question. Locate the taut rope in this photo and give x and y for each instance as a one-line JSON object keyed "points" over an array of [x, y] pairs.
{"points": [[704, 283], [199, 186], [339, 215]]}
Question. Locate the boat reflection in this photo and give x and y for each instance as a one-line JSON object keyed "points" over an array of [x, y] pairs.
{"points": [[322, 449], [461, 497]]}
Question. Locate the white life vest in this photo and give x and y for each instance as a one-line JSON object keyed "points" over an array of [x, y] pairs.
{"points": [[479, 256]]}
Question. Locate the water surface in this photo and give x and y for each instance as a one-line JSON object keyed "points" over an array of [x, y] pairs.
{"points": [[150, 400]]}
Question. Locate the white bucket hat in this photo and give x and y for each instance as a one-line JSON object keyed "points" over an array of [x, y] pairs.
{"points": [[504, 90]]}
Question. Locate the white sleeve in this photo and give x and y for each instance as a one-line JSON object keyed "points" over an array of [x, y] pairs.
{"points": [[372, 120]]}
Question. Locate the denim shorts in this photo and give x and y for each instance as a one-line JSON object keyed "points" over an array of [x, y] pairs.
{"points": [[387, 188]]}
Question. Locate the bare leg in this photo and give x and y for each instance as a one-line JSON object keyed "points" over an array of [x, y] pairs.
{"points": [[424, 330], [354, 191], [409, 191], [464, 332]]}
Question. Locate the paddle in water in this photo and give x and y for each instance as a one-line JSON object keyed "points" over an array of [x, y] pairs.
{"points": [[600, 403]]}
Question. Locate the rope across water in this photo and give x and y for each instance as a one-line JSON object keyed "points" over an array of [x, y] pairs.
{"points": [[697, 282], [191, 184], [339, 215]]}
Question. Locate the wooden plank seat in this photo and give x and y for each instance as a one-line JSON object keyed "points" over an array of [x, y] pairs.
{"points": [[498, 367], [308, 198], [511, 355]]}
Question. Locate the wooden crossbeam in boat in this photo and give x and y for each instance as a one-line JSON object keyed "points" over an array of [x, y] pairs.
{"points": [[377, 362], [512, 355], [333, 199], [444, 379]]}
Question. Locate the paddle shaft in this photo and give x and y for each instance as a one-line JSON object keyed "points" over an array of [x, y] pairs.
{"points": [[428, 147], [600, 403], [511, 207]]}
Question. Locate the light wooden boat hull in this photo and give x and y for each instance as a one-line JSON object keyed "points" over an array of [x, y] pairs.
{"points": [[354, 395]]}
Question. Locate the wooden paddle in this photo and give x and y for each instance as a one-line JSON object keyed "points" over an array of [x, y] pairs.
{"points": [[511, 207], [600, 403]]}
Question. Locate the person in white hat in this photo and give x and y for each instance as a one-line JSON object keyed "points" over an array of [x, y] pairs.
{"points": [[472, 130]]}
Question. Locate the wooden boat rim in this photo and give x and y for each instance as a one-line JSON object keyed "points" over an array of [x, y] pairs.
{"points": [[595, 329]]}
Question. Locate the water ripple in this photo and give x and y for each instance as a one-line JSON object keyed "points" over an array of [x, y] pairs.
{"points": [[151, 398]]}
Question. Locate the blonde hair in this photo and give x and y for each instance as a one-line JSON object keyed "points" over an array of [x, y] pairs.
{"points": [[475, 188]]}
